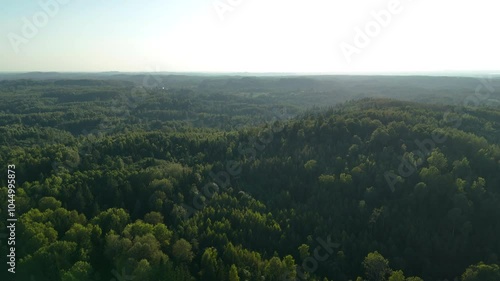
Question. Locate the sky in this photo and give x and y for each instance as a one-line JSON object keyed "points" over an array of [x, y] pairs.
{"points": [[301, 36]]}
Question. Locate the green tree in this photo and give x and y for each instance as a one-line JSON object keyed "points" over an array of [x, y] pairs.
{"points": [[142, 271], [482, 272], [49, 203], [153, 218], [112, 219], [82, 235], [182, 251], [326, 180], [304, 251], [290, 267], [163, 235], [397, 276], [80, 271], [438, 160], [209, 264], [233, 273], [376, 267], [146, 248], [138, 228], [310, 165], [275, 269]]}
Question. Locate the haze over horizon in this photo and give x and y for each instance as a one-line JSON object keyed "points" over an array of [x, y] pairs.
{"points": [[224, 36]]}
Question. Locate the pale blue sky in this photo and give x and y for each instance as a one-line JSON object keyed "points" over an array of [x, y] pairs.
{"points": [[254, 36]]}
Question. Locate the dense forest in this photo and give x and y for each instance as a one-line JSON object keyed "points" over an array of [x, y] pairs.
{"points": [[252, 178]]}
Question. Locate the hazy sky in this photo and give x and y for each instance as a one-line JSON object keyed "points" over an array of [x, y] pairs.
{"points": [[250, 35]]}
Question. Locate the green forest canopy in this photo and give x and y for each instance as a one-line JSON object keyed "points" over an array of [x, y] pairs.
{"points": [[188, 184]]}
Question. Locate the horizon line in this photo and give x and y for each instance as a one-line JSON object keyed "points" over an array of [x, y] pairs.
{"points": [[272, 73]]}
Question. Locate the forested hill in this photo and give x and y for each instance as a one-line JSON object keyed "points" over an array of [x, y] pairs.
{"points": [[375, 189]]}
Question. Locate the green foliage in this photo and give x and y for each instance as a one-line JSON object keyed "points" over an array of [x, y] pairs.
{"points": [[482, 272], [310, 165], [153, 218], [438, 160], [80, 271], [233, 273], [185, 185], [210, 266], [413, 278], [326, 180], [112, 219], [49, 203], [182, 250], [397, 276], [377, 267]]}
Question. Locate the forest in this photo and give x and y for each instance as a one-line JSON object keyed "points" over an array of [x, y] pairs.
{"points": [[235, 178]]}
